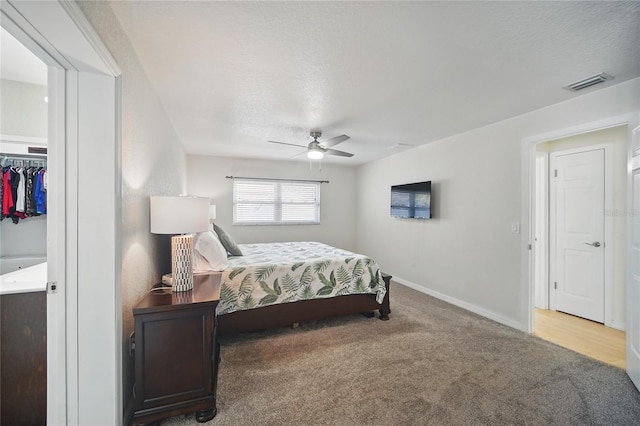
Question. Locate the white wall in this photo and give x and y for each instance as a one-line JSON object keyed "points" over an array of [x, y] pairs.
{"points": [[23, 109], [25, 238], [467, 253], [206, 178], [153, 163]]}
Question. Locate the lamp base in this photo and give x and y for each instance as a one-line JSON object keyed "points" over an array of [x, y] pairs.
{"points": [[181, 262]]}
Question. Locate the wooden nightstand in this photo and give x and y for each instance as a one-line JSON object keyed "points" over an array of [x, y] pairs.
{"points": [[176, 352]]}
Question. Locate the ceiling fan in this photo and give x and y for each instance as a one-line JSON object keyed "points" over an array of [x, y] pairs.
{"points": [[316, 150]]}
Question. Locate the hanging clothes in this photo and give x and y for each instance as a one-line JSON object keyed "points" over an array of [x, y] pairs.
{"points": [[1, 192], [7, 197], [30, 207], [20, 201], [23, 189], [40, 194]]}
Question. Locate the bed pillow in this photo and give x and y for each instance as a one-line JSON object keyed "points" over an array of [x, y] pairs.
{"points": [[209, 253], [227, 241]]}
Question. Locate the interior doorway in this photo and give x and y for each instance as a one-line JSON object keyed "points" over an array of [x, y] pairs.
{"points": [[23, 144], [608, 147], [23, 233]]}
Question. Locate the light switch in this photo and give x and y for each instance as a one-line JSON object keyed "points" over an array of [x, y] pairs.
{"points": [[515, 228]]}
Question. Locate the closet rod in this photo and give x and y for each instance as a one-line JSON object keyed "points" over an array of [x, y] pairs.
{"points": [[23, 156], [286, 180], [22, 160]]}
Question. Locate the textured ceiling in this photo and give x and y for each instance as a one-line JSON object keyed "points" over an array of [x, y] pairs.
{"points": [[232, 75]]}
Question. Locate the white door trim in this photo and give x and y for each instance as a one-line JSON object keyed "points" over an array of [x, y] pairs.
{"points": [[541, 238], [57, 346], [56, 245], [528, 159], [608, 226], [633, 266]]}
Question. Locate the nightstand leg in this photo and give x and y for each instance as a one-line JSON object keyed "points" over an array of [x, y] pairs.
{"points": [[204, 416], [384, 314]]}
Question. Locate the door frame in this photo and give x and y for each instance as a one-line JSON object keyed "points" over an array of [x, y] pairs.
{"points": [[633, 290], [528, 202], [56, 224], [87, 281], [607, 147], [541, 237]]}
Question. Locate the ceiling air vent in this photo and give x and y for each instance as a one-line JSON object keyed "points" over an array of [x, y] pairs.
{"points": [[589, 81]]}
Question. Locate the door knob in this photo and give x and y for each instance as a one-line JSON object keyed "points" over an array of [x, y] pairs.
{"points": [[594, 244]]}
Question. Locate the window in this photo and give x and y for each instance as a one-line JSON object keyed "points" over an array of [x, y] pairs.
{"points": [[275, 202]]}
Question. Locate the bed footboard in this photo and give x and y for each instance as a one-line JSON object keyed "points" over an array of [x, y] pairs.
{"points": [[286, 314]]}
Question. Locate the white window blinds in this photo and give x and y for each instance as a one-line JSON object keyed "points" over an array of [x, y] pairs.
{"points": [[275, 202]]}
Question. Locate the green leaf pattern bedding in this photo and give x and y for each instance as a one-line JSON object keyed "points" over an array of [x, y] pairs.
{"points": [[272, 273]]}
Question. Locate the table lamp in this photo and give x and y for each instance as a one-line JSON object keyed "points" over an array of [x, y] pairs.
{"points": [[180, 217]]}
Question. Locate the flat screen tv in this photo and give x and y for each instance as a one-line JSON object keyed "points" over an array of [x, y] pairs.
{"points": [[411, 200]]}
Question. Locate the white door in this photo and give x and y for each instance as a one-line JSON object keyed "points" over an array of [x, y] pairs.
{"points": [[578, 214], [633, 285]]}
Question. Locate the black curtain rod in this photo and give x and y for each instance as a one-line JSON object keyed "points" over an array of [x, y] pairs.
{"points": [[288, 180]]}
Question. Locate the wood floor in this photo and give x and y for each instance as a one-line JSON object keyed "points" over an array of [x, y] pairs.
{"points": [[580, 335]]}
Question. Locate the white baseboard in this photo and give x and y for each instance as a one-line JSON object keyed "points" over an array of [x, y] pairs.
{"points": [[459, 303], [618, 325]]}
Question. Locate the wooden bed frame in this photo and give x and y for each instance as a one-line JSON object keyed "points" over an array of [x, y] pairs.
{"points": [[286, 314]]}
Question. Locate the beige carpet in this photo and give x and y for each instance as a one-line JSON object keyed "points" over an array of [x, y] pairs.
{"points": [[432, 363]]}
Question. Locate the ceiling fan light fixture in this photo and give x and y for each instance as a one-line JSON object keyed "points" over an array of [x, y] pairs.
{"points": [[316, 150], [315, 154]]}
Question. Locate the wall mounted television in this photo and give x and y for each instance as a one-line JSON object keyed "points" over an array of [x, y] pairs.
{"points": [[411, 200]]}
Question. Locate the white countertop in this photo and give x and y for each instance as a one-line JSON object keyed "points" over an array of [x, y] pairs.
{"points": [[26, 280]]}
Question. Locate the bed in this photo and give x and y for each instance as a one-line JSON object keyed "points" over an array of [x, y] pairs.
{"points": [[280, 284]]}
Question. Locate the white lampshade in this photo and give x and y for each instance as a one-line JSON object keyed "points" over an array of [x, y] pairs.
{"points": [[179, 215], [212, 212]]}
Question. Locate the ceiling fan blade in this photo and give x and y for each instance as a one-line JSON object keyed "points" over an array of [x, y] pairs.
{"points": [[338, 153], [284, 143], [334, 141]]}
